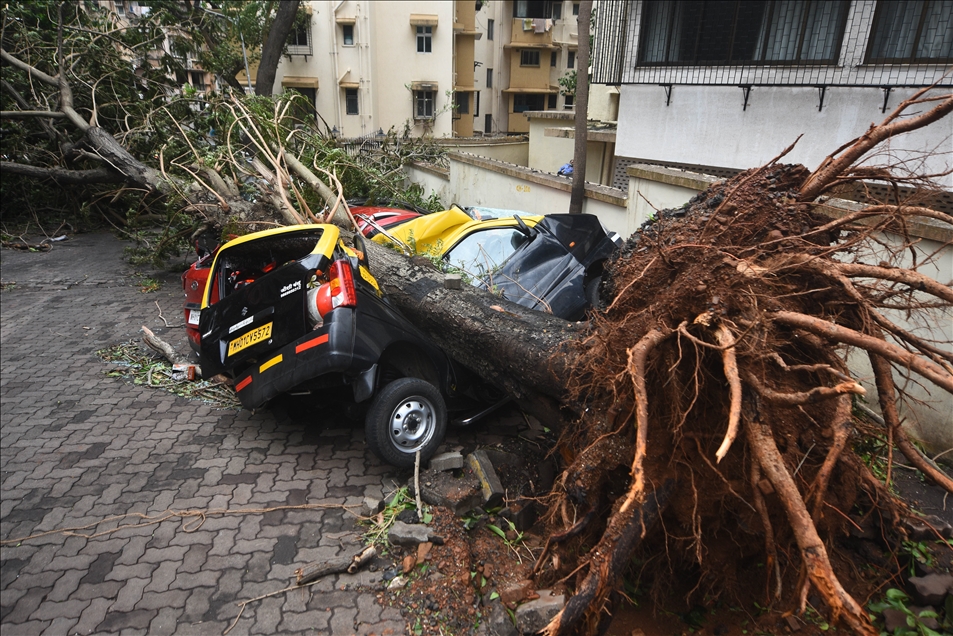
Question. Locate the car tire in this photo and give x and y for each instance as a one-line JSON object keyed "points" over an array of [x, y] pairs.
{"points": [[592, 293], [408, 415]]}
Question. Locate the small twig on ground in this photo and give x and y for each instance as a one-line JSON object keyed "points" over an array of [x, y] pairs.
{"points": [[162, 318]]}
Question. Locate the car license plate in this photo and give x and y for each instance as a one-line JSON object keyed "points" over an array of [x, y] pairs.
{"points": [[194, 315], [252, 337]]}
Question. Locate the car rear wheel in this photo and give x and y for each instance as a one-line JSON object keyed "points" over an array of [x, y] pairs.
{"points": [[408, 415]]}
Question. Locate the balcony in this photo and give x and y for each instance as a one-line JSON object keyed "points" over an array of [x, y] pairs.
{"points": [[524, 35]]}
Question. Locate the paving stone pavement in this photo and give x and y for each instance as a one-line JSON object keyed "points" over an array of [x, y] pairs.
{"points": [[78, 448]]}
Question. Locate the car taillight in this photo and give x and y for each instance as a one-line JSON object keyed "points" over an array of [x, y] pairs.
{"points": [[343, 293]]}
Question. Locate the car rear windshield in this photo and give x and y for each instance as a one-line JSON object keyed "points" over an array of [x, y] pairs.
{"points": [[245, 262]]}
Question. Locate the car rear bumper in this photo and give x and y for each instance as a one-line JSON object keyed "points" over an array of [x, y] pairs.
{"points": [[328, 349]]}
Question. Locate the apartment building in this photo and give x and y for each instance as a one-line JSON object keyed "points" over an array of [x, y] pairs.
{"points": [[440, 68], [129, 11], [720, 86]]}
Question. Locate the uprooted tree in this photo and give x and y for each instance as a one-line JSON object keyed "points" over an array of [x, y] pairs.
{"points": [[710, 397], [716, 366]]}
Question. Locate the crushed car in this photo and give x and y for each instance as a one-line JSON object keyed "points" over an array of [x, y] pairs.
{"points": [[552, 263], [295, 310]]}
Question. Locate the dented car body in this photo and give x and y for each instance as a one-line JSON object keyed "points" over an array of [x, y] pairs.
{"points": [[295, 310]]}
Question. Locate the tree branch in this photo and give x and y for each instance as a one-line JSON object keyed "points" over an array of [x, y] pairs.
{"points": [[62, 175], [835, 166], [892, 352]]}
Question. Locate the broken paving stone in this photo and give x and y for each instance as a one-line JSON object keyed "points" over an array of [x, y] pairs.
{"points": [[500, 623], [460, 495], [793, 623], [408, 534], [409, 562], [930, 589], [534, 615], [927, 528], [490, 485], [446, 461], [371, 506], [894, 618]]}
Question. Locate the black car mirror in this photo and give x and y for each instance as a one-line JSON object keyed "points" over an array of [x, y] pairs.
{"points": [[525, 229]]}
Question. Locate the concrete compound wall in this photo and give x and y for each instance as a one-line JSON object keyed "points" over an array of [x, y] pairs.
{"points": [[516, 152], [474, 180]]}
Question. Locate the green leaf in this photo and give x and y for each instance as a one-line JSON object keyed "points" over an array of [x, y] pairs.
{"points": [[495, 530], [494, 596]]}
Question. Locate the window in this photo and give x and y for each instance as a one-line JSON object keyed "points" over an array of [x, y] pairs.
{"points": [[523, 102], [487, 124], [489, 78], [571, 61], [569, 102], [304, 108], [424, 39], [575, 8], [529, 57], [120, 7], [911, 32], [552, 101], [462, 103], [532, 9], [423, 104], [489, 29], [557, 10], [476, 107], [299, 36], [348, 30], [482, 253], [350, 102], [743, 31], [197, 79], [553, 57]]}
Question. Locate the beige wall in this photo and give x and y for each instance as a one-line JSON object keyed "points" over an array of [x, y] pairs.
{"points": [[383, 61]]}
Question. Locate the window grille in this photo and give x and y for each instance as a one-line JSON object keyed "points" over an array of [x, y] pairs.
{"points": [[884, 44], [529, 57], [911, 32], [299, 41]]}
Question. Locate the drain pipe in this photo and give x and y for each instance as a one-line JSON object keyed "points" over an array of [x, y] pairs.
{"points": [[334, 59]]}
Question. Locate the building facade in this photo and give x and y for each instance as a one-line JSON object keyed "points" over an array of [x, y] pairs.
{"points": [[722, 86], [440, 68]]}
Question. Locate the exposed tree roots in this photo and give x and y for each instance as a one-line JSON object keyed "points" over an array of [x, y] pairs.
{"points": [[727, 330]]}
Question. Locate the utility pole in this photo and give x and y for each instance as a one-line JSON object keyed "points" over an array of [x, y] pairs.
{"points": [[581, 103]]}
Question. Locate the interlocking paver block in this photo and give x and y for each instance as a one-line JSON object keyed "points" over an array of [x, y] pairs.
{"points": [[78, 447]]}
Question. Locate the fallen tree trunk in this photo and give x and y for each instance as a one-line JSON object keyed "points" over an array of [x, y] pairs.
{"points": [[523, 352]]}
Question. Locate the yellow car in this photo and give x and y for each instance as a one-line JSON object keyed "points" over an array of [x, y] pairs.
{"points": [[552, 263]]}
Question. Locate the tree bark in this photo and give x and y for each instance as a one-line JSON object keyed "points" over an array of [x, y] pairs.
{"points": [[510, 346], [581, 104], [274, 45]]}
